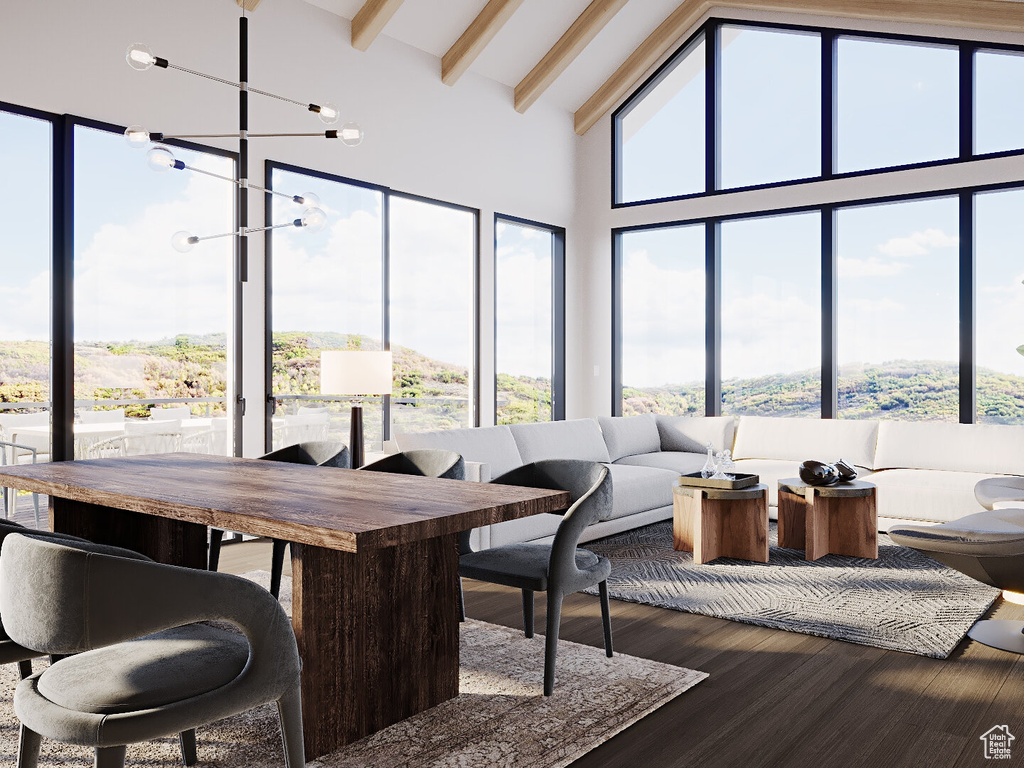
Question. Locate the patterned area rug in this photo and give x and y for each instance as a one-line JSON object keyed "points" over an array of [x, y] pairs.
{"points": [[500, 717], [903, 601]]}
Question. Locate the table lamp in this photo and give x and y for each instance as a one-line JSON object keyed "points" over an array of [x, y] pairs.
{"points": [[358, 373]]}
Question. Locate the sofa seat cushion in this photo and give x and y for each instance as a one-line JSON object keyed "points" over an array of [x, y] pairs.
{"points": [[1004, 491], [771, 471], [990, 448], [638, 489], [763, 437], [575, 439], [693, 433], [146, 673], [493, 446], [680, 462], [630, 435], [920, 494]]}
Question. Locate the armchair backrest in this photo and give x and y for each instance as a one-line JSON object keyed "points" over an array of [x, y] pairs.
{"points": [[426, 462], [320, 453], [590, 491], [62, 599]]}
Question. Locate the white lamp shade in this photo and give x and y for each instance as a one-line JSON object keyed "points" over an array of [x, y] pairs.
{"points": [[354, 372]]}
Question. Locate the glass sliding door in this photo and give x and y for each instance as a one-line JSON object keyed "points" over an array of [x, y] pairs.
{"points": [[25, 258], [771, 316], [326, 295], [153, 326], [526, 258], [898, 322], [663, 298], [432, 314]]}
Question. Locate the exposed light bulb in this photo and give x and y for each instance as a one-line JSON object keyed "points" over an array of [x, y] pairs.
{"points": [[160, 159], [351, 135], [136, 136], [313, 219], [183, 241], [307, 199], [139, 57], [329, 113]]}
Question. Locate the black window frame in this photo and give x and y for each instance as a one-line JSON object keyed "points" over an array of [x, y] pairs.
{"points": [[62, 335], [387, 194], [829, 47]]}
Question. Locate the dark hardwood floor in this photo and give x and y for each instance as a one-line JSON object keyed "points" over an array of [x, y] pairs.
{"points": [[778, 698]]}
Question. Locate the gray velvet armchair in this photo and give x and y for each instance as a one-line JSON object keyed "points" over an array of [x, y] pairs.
{"points": [[142, 667], [320, 453], [559, 568]]}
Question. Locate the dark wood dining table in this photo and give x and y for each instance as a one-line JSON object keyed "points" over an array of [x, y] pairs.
{"points": [[375, 602]]}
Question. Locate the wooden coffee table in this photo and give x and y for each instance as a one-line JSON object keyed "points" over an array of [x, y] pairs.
{"points": [[835, 519], [712, 522]]}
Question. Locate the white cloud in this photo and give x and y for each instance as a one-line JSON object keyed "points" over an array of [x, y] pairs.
{"points": [[870, 267], [918, 243]]}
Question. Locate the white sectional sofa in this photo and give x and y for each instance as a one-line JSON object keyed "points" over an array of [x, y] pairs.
{"points": [[925, 471]]}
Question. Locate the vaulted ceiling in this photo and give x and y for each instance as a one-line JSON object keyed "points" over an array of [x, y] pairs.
{"points": [[586, 55]]}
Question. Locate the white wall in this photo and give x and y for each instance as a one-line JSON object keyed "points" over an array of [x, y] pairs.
{"points": [[463, 144], [590, 331]]}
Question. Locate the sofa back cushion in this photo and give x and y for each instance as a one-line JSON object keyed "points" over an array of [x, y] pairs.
{"points": [[630, 435], [693, 433], [576, 439], [763, 437], [493, 446], [989, 448]]}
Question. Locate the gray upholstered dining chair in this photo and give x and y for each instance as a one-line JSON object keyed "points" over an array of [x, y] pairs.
{"points": [[142, 667], [559, 568], [320, 453], [10, 651], [427, 463]]}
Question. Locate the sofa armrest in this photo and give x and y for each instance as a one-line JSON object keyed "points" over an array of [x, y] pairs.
{"points": [[478, 471]]}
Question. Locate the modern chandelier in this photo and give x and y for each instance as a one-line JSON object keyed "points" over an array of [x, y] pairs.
{"points": [[160, 157]]}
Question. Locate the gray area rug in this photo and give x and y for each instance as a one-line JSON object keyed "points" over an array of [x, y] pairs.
{"points": [[500, 717], [903, 601]]}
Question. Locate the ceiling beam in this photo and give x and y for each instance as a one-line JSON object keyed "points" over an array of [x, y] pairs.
{"points": [[476, 37], [976, 14], [565, 51], [249, 5], [370, 20]]}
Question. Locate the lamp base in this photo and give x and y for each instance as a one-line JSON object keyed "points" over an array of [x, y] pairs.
{"points": [[355, 437]]}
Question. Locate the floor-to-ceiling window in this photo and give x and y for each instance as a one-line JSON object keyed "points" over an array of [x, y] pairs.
{"points": [[861, 203], [432, 251], [327, 294], [898, 348], [529, 306], [388, 272], [153, 327], [25, 259], [662, 289], [771, 316], [999, 309]]}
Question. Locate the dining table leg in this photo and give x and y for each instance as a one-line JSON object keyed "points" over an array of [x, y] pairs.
{"points": [[378, 633]]}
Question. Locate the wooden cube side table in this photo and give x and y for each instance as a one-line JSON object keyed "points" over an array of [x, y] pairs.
{"points": [[712, 522], [838, 519]]}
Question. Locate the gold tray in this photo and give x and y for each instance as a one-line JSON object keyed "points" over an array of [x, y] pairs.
{"points": [[741, 480]]}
